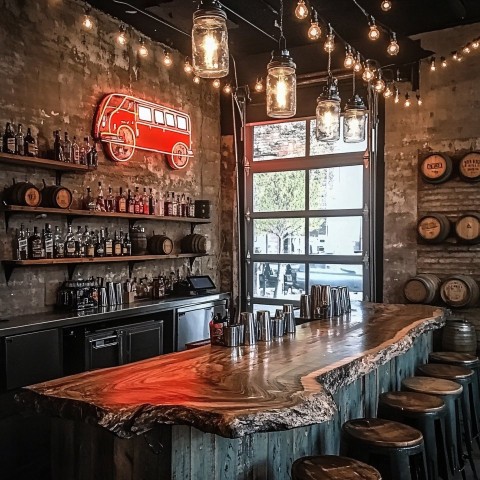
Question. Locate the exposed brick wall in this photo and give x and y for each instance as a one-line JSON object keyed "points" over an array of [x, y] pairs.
{"points": [[53, 76]]}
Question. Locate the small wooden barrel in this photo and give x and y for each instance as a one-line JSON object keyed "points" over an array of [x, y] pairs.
{"points": [[56, 196], [422, 288], [23, 193], [436, 168], [460, 291], [459, 336], [139, 242], [467, 228], [160, 245], [194, 243], [433, 228], [469, 167]]}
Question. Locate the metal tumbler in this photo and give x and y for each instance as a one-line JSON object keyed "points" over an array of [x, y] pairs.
{"points": [[278, 326], [305, 306], [231, 335], [264, 325], [249, 325], [102, 297], [288, 315], [326, 301], [336, 308]]}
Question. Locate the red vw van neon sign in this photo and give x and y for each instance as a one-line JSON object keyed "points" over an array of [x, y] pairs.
{"points": [[124, 123]]}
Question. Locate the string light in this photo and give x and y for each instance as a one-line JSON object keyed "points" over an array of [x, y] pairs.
{"points": [[407, 101], [443, 62], [196, 79], [476, 43], [386, 5], [466, 49], [433, 66], [397, 95], [122, 35], [374, 32], [330, 41], [301, 11], [380, 83], [349, 60], [388, 92], [87, 19], [368, 74], [227, 88], [142, 50], [259, 85], [393, 47], [167, 59], [456, 56], [357, 66], [187, 67], [216, 83], [419, 100], [314, 31]]}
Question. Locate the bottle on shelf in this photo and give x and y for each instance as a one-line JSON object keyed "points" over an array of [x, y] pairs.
{"points": [[117, 245], [57, 147], [75, 155], [9, 139], [159, 205], [183, 206], [108, 244], [168, 207], [20, 141], [85, 151], [151, 203], [130, 202], [84, 242], [174, 205], [100, 245], [191, 208], [35, 246], [127, 245], [70, 243], [100, 204], [110, 201], [30, 145], [48, 241], [21, 244], [121, 202], [89, 202], [92, 156], [78, 242], [138, 202], [90, 251], [67, 149], [145, 202], [58, 244]]}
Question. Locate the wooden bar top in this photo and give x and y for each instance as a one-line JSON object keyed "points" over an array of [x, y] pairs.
{"points": [[238, 391]]}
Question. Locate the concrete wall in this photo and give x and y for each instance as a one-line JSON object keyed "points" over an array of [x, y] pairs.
{"points": [[447, 122], [53, 75]]}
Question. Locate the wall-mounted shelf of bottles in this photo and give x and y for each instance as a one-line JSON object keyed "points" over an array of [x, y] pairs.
{"points": [[71, 214], [10, 265]]}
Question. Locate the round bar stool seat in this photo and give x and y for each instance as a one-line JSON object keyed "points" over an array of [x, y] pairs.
{"points": [[433, 386], [395, 449], [454, 358], [448, 372], [332, 467], [426, 413]]}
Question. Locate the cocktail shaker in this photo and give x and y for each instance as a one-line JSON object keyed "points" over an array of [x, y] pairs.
{"points": [[231, 334], [336, 307], [248, 322], [118, 293], [264, 325], [278, 327], [289, 317], [305, 306], [102, 297], [325, 301], [345, 299]]}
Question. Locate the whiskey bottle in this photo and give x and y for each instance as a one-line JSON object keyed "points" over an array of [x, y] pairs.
{"points": [[67, 149], [92, 156], [127, 245], [35, 247], [191, 208], [9, 139], [75, 155], [117, 245], [48, 241], [159, 205], [57, 147], [70, 243], [167, 206], [19, 141], [89, 202], [100, 206], [130, 202], [84, 151], [100, 246], [84, 242], [78, 242], [110, 201], [151, 203], [138, 202], [21, 244], [174, 205], [145, 202], [183, 206], [121, 202], [108, 244], [90, 250], [30, 145], [58, 244]]}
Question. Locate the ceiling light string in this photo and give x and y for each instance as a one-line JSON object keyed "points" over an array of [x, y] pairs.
{"points": [[455, 56]]}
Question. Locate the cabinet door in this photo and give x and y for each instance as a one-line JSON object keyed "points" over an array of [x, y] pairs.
{"points": [[143, 341], [31, 358]]}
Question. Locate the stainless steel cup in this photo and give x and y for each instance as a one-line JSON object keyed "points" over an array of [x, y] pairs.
{"points": [[102, 297], [326, 301], [278, 327], [345, 297], [118, 293], [111, 294], [305, 306], [231, 335], [336, 308], [264, 325], [249, 325], [279, 313], [289, 317]]}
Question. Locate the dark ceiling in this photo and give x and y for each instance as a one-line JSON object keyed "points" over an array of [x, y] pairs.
{"points": [[248, 18]]}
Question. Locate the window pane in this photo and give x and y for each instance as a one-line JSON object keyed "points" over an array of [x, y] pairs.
{"points": [[335, 236], [323, 148], [350, 276], [144, 114], [279, 191], [276, 280], [279, 140], [182, 123], [336, 188], [279, 235], [159, 117], [170, 120]]}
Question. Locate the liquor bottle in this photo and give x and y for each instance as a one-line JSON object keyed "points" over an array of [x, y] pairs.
{"points": [[151, 203], [84, 242], [20, 141], [67, 149], [84, 151], [35, 249], [117, 245], [48, 241], [174, 205], [191, 209], [121, 202], [57, 147], [92, 156], [130, 202], [183, 206], [75, 155], [58, 244], [108, 244], [159, 205], [22, 244], [100, 206], [187, 208], [138, 202], [167, 206], [42, 236], [30, 145], [100, 246], [89, 203], [90, 251], [110, 201], [78, 242], [9, 139], [70, 243], [127, 245], [145, 202]]}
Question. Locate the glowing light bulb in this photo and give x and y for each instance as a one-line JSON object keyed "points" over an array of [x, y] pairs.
{"points": [[466, 49], [368, 74], [281, 92], [433, 65], [142, 50], [374, 32], [349, 60], [393, 47], [476, 43], [329, 43], [443, 62], [314, 31], [210, 47], [167, 59], [388, 92], [357, 67], [397, 96], [87, 22], [187, 68], [301, 11], [419, 100], [216, 83], [227, 88], [379, 85], [196, 79], [259, 85], [407, 101], [122, 37], [386, 5], [457, 57]]}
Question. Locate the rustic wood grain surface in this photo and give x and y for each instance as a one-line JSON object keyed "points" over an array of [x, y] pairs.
{"points": [[233, 392]]}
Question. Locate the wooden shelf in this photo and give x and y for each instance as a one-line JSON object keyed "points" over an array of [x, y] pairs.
{"points": [[43, 163]]}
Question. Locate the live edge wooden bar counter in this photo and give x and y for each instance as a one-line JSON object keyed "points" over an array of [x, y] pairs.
{"points": [[233, 413]]}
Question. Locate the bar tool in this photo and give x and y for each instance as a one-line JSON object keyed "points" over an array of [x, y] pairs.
{"points": [[325, 301], [118, 293], [249, 325], [289, 318], [264, 325], [336, 307], [231, 335], [305, 307], [278, 326], [111, 294]]}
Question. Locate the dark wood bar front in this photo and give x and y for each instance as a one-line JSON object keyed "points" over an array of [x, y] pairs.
{"points": [[244, 412]]}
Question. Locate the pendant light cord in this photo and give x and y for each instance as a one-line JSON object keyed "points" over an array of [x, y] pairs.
{"points": [[282, 38], [353, 83]]}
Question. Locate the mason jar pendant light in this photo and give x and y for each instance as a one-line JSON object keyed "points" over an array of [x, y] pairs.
{"points": [[210, 57], [354, 118], [327, 128], [281, 80]]}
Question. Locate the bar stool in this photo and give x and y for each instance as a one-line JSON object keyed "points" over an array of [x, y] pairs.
{"points": [[332, 467], [395, 449], [466, 360], [427, 414], [450, 392], [463, 376]]}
